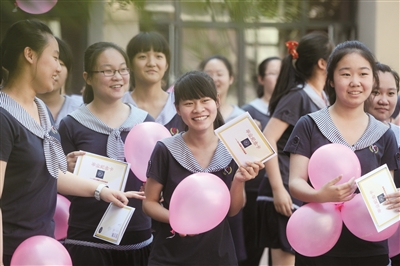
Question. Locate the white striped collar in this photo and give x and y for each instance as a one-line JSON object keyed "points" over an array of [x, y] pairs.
{"points": [[372, 134], [167, 113], [115, 145], [53, 152], [180, 151]]}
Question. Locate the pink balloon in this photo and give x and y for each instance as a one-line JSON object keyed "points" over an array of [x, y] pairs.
{"points": [[36, 6], [170, 89], [139, 145], [314, 228], [198, 204], [356, 217], [41, 250], [61, 217], [330, 161], [394, 244]]}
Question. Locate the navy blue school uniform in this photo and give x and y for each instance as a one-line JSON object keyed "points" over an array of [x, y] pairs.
{"points": [[168, 116], [377, 146], [79, 132], [29, 194], [170, 163], [258, 109], [271, 224]]}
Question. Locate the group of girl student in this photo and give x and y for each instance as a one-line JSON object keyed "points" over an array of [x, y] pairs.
{"points": [[351, 73], [381, 104], [268, 72], [196, 150], [220, 69], [95, 128], [32, 163], [150, 58], [58, 103], [298, 91]]}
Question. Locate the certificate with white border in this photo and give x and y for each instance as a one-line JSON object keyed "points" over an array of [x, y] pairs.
{"points": [[374, 186], [113, 224], [244, 140], [112, 172]]}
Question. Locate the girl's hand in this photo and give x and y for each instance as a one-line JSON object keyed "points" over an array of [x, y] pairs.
{"points": [[117, 197], [393, 201], [72, 157], [135, 195], [283, 202], [331, 192], [249, 171]]}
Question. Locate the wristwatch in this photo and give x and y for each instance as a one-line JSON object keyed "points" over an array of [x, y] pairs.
{"points": [[98, 191]]}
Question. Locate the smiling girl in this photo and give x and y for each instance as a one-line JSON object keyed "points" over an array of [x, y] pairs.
{"points": [[101, 127], [32, 163], [149, 57], [351, 74], [196, 150]]}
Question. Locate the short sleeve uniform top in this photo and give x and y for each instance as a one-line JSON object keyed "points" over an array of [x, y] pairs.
{"points": [[290, 108], [85, 213], [377, 146], [396, 130], [29, 195], [168, 116], [171, 162], [258, 109]]}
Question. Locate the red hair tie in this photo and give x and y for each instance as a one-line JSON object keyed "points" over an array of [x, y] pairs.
{"points": [[292, 45]]}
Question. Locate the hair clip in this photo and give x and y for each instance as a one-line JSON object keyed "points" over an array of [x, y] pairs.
{"points": [[292, 45]]}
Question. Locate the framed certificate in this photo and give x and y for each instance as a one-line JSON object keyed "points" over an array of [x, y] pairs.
{"points": [[244, 140], [113, 224], [103, 169], [374, 186]]}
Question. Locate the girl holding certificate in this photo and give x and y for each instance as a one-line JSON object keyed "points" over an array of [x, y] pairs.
{"points": [[32, 163], [351, 74], [196, 150], [149, 57], [298, 91], [101, 127]]}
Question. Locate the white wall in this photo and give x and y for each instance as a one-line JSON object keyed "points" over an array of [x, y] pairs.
{"points": [[379, 28]]}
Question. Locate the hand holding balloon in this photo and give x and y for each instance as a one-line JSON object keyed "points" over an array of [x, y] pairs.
{"points": [[334, 192]]}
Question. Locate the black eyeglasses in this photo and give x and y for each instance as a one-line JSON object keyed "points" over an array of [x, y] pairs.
{"points": [[111, 73]]}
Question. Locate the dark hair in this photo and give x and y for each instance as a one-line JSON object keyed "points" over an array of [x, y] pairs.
{"points": [[262, 67], [221, 58], [90, 61], [338, 53], [66, 57], [387, 69], [22, 34], [144, 42], [312, 47], [196, 85]]}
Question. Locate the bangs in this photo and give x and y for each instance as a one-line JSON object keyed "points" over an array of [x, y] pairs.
{"points": [[145, 41], [194, 87]]}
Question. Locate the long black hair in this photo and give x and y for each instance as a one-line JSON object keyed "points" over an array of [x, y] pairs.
{"points": [[25, 33], [312, 47]]}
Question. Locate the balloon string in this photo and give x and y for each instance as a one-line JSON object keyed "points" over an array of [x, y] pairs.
{"points": [[339, 206], [173, 234]]}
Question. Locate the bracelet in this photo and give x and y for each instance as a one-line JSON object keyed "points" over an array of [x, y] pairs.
{"points": [[98, 191]]}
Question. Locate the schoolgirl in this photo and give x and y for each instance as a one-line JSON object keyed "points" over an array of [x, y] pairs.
{"points": [[196, 150]]}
